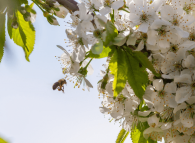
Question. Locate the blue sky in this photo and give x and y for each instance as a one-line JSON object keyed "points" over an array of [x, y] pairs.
{"points": [[31, 112]]}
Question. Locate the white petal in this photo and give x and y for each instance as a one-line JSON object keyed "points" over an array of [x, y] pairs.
{"points": [[189, 62], [158, 84], [88, 83], [87, 26], [170, 87], [140, 46], [152, 37], [117, 4], [183, 94], [153, 120], [158, 23], [144, 113], [104, 110], [131, 40], [167, 12], [186, 119], [105, 10], [184, 78], [179, 107], [81, 53], [163, 43], [143, 27], [166, 126], [120, 39], [191, 100], [170, 100], [181, 33]]}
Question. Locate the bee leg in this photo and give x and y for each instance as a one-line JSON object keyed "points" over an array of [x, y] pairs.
{"points": [[63, 89]]}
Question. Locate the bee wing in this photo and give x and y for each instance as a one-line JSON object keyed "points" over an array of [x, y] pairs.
{"points": [[55, 85]]}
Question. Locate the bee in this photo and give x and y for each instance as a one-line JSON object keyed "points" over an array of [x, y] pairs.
{"points": [[59, 85]]}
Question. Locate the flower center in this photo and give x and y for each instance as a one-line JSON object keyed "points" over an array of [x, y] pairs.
{"points": [[144, 36], [192, 52], [80, 41], [188, 8], [161, 31], [178, 66], [174, 48], [121, 98], [192, 37], [153, 125], [107, 2], [175, 22], [161, 93], [144, 17], [193, 86]]}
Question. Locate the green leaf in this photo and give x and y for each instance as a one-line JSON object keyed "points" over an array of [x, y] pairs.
{"points": [[3, 141], [125, 67], [97, 48], [118, 67], [111, 33], [137, 133], [13, 5], [137, 136], [136, 75], [31, 5], [105, 53], [122, 136], [23, 1], [145, 62], [24, 35], [9, 26], [2, 35]]}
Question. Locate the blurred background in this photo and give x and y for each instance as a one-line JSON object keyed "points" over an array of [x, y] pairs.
{"points": [[31, 112]]}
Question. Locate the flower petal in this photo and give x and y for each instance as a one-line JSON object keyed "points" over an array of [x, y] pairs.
{"points": [[117, 4], [158, 84]]}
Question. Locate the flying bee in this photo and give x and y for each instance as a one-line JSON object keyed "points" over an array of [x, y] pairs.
{"points": [[59, 85]]}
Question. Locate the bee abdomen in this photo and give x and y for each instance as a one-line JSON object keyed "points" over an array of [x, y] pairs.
{"points": [[55, 85]]}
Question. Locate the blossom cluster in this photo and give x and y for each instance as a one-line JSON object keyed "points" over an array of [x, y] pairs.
{"points": [[165, 30]]}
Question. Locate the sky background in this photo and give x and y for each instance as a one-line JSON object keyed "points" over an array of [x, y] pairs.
{"points": [[31, 112]]}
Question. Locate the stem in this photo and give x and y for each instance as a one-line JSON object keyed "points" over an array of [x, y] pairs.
{"points": [[88, 63], [38, 5]]}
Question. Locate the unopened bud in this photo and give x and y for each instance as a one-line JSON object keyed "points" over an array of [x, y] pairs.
{"points": [[28, 8], [45, 14], [27, 16], [22, 10], [52, 20], [46, 7], [15, 24], [50, 2]]}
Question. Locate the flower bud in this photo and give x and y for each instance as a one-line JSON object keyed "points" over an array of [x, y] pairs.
{"points": [[97, 33], [27, 16], [45, 13], [52, 20], [15, 24], [22, 10], [28, 8], [50, 2], [62, 12], [46, 7]]}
